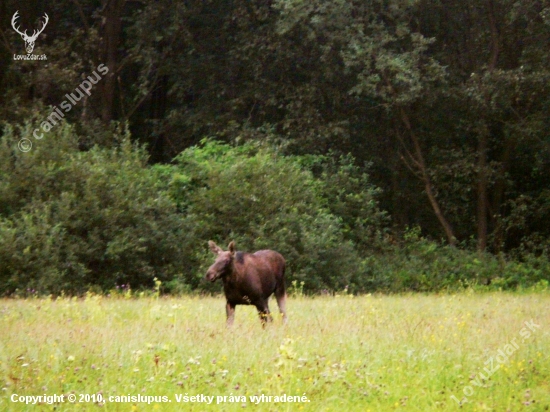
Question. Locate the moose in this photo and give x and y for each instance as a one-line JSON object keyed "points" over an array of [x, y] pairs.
{"points": [[249, 279]]}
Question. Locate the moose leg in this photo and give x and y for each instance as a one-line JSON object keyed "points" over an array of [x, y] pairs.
{"points": [[263, 311], [230, 311], [280, 295], [281, 302]]}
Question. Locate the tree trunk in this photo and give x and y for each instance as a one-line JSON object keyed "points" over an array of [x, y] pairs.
{"points": [[430, 192], [482, 197], [498, 193], [482, 203], [112, 14]]}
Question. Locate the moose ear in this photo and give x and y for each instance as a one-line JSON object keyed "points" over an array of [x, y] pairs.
{"points": [[231, 247], [214, 248]]}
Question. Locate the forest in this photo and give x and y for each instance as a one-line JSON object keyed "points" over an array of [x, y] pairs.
{"points": [[379, 145]]}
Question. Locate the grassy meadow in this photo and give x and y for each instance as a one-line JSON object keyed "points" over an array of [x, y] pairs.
{"points": [[337, 353]]}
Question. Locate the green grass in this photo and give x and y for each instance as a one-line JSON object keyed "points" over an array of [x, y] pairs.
{"points": [[377, 353]]}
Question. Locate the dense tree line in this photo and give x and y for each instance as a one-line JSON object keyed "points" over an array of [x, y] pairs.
{"points": [[443, 105]]}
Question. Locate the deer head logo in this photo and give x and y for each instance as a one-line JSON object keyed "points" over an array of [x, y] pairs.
{"points": [[29, 40]]}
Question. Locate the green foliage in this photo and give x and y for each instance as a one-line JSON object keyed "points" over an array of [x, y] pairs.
{"points": [[418, 264], [351, 196], [375, 42], [261, 199], [72, 219], [458, 94]]}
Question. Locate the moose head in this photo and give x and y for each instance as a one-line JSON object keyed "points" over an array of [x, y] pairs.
{"points": [[222, 265], [29, 40]]}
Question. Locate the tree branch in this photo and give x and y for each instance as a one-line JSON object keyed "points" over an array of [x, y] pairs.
{"points": [[82, 15]]}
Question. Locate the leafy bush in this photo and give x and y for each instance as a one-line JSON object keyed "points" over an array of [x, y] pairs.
{"points": [[72, 219], [261, 199], [351, 197], [419, 264]]}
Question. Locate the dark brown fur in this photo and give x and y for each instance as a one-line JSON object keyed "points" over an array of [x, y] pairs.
{"points": [[249, 279]]}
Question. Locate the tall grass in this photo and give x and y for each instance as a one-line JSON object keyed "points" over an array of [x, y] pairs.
{"points": [[377, 353]]}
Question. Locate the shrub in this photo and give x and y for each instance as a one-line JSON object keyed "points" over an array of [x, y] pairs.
{"points": [[261, 199], [351, 197], [419, 264], [72, 219]]}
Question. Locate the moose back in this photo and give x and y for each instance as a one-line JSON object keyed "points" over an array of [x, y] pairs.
{"points": [[249, 279]]}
